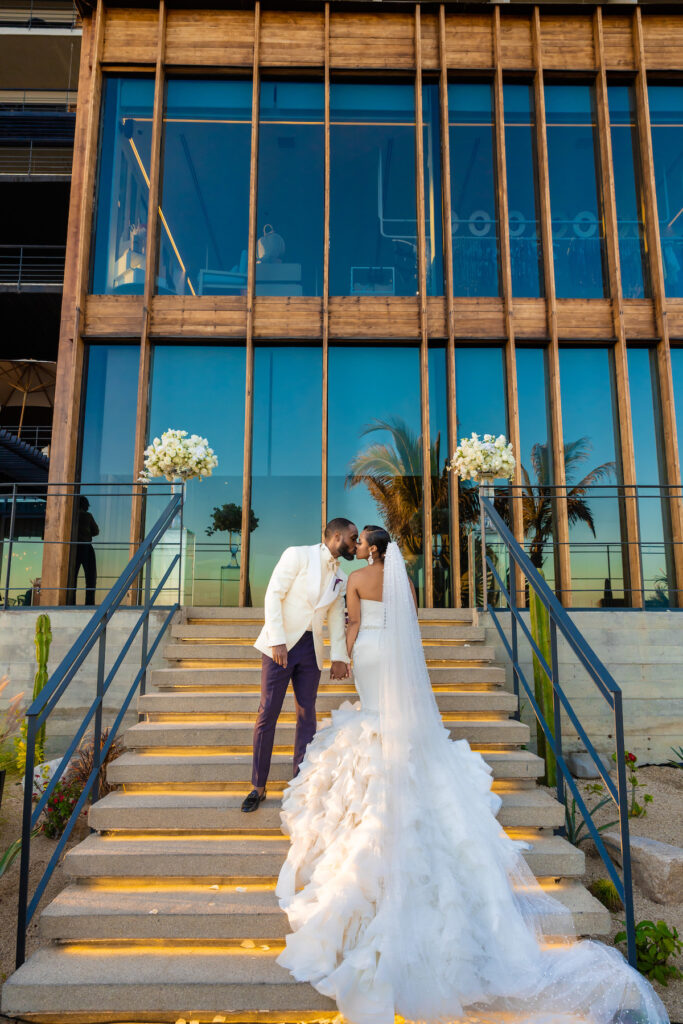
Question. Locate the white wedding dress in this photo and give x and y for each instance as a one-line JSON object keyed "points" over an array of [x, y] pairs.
{"points": [[404, 894]]}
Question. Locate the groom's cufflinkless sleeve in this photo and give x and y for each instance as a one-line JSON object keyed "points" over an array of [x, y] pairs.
{"points": [[284, 574], [337, 628]]}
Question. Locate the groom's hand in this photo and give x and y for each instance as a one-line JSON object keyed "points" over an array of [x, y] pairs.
{"points": [[340, 670], [280, 655]]}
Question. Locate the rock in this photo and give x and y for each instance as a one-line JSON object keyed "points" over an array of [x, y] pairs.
{"points": [[582, 765], [657, 867]]}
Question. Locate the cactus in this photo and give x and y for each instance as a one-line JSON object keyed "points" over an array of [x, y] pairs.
{"points": [[42, 641], [540, 630]]}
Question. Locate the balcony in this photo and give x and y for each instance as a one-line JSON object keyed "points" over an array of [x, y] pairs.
{"points": [[39, 14], [31, 268]]}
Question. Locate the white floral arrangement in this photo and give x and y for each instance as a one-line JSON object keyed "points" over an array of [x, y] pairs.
{"points": [[175, 454], [477, 459]]}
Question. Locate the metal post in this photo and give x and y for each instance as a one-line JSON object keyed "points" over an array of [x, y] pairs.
{"points": [[24, 866], [624, 830], [180, 560], [557, 712], [147, 569], [484, 574], [11, 543], [97, 732], [512, 590], [472, 582]]}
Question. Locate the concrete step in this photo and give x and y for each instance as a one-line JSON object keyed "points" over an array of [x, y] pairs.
{"points": [[198, 911], [233, 735], [197, 678], [489, 701], [219, 859], [167, 982], [446, 651], [227, 631], [201, 769], [219, 811], [194, 613]]}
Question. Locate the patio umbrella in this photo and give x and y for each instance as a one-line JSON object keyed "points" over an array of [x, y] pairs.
{"points": [[27, 382]]}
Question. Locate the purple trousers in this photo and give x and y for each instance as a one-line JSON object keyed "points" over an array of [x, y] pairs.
{"points": [[302, 669]]}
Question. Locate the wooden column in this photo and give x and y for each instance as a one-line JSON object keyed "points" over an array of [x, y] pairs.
{"points": [[506, 275], [245, 591], [326, 277], [68, 387], [424, 325], [142, 417], [668, 410], [633, 576], [454, 489], [562, 555]]}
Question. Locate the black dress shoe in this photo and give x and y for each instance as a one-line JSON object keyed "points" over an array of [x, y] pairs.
{"points": [[252, 801]]}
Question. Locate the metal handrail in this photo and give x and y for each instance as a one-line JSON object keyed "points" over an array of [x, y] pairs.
{"points": [[95, 632], [32, 264], [602, 678]]}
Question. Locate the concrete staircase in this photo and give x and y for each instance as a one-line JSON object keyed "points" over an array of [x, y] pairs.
{"points": [[171, 912]]}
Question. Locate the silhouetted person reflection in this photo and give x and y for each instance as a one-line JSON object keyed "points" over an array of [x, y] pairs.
{"points": [[85, 552]]}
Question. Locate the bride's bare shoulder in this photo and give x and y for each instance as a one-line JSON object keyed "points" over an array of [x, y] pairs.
{"points": [[357, 575]]}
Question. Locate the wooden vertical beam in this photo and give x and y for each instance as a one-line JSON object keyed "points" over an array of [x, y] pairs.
{"points": [[142, 415], [563, 580], [245, 590], [424, 325], [68, 386], [326, 276], [506, 276], [633, 577], [667, 405], [454, 489]]}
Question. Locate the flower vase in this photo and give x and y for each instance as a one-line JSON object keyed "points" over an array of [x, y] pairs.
{"points": [[486, 488]]}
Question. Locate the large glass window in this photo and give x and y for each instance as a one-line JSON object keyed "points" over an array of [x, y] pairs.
{"points": [[441, 478], [526, 255], [536, 458], [635, 280], [666, 118], [590, 458], [577, 222], [373, 208], [286, 456], [474, 214], [677, 372], [200, 388], [108, 445], [374, 445], [431, 126], [204, 190], [120, 222], [291, 178]]}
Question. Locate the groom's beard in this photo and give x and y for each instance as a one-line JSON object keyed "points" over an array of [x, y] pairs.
{"points": [[347, 552]]}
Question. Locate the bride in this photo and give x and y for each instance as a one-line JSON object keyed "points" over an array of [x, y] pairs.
{"points": [[404, 894]]}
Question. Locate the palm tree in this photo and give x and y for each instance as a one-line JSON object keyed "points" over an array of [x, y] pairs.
{"points": [[537, 497]]}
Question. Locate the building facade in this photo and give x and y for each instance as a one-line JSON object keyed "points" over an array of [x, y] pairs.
{"points": [[335, 239]]}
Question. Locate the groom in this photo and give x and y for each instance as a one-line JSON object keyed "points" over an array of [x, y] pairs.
{"points": [[307, 585]]}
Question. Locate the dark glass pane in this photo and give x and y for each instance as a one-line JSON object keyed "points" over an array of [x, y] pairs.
{"points": [[677, 372], [658, 571], [374, 445], [535, 456], [635, 280], [523, 218], [666, 118], [441, 478], [107, 456], [578, 230], [432, 187], [291, 178], [474, 215], [286, 457], [373, 208], [590, 467], [480, 390], [120, 223], [204, 197], [200, 388]]}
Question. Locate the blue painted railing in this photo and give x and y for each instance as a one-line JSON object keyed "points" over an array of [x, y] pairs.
{"points": [[520, 565], [94, 633]]}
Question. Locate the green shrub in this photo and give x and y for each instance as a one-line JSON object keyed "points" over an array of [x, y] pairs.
{"points": [[655, 944], [59, 807], [606, 891]]}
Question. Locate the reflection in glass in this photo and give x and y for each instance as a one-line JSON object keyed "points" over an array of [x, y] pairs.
{"points": [[577, 222], [200, 388], [590, 464], [666, 118], [658, 570], [120, 222], [474, 215], [373, 208], [535, 457], [523, 217], [291, 178], [286, 457], [677, 373], [635, 280], [374, 445], [432, 187], [204, 188], [107, 455], [441, 479]]}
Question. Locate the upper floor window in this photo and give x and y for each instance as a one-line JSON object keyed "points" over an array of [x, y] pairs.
{"points": [[431, 151], [666, 117], [526, 255], [576, 210], [119, 245], [635, 278]]}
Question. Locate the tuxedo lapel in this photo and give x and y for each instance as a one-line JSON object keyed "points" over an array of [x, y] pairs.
{"points": [[330, 592], [314, 572]]}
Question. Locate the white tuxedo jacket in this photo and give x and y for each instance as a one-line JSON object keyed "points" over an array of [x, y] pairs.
{"points": [[293, 604]]}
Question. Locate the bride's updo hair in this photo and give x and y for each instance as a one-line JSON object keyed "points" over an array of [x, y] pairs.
{"points": [[378, 537]]}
